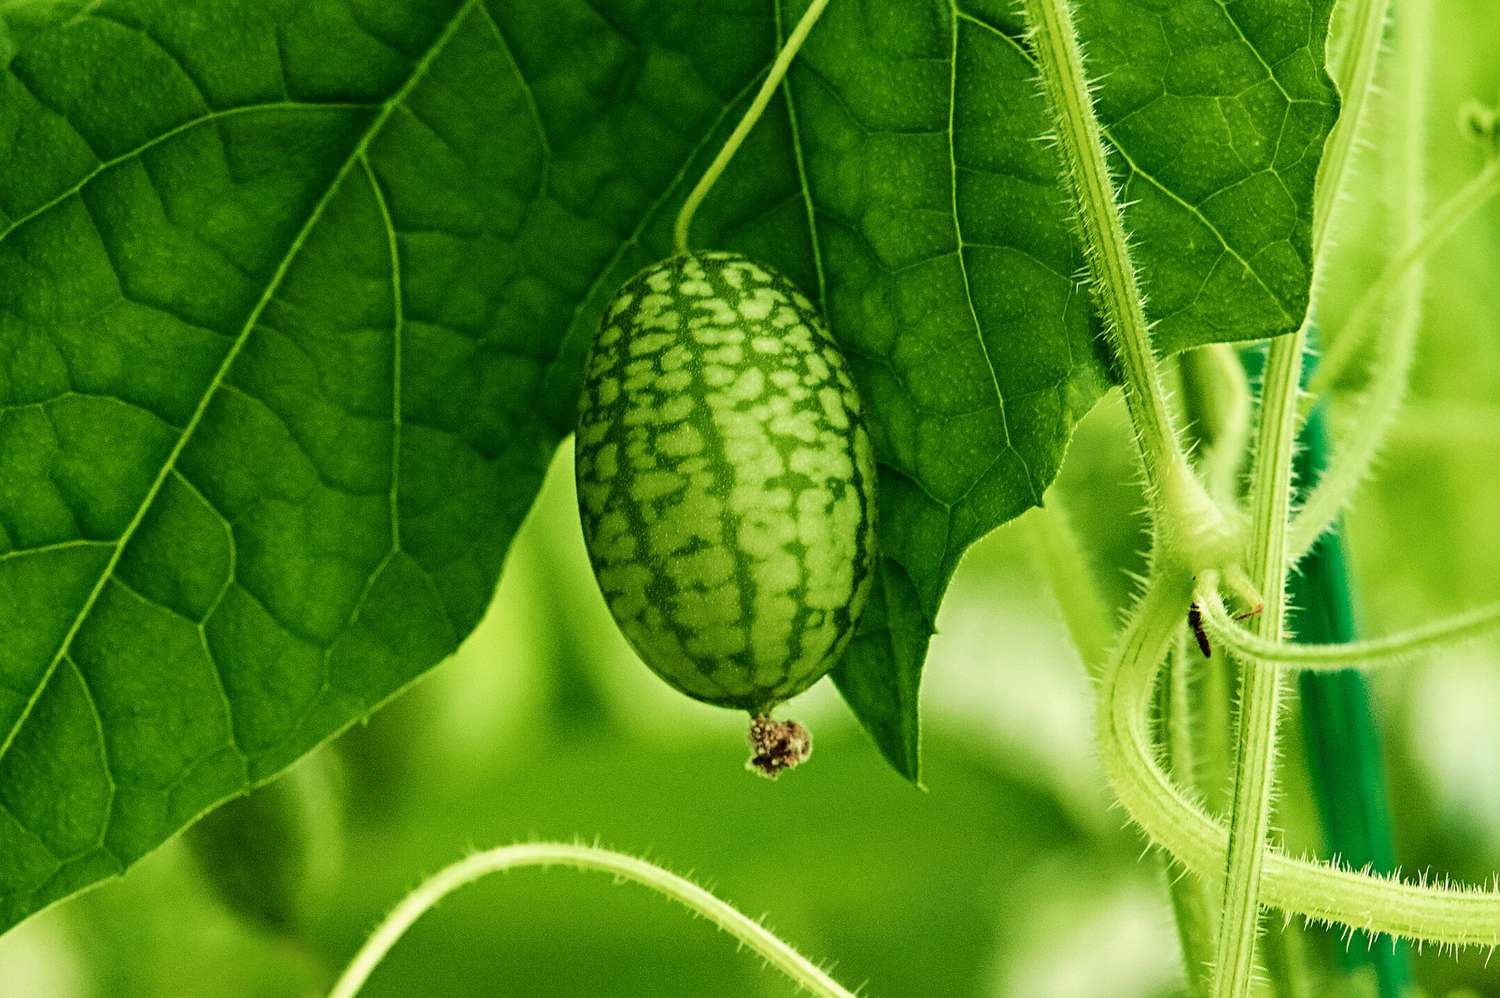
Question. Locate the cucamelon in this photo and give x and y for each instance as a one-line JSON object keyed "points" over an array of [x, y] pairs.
{"points": [[726, 481]]}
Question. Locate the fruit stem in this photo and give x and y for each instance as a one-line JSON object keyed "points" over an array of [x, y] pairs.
{"points": [[736, 138]]}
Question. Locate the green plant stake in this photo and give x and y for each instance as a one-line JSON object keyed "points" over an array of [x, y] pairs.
{"points": [[1343, 740]]}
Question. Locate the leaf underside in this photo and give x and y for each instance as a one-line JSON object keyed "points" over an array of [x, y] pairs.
{"points": [[294, 299]]}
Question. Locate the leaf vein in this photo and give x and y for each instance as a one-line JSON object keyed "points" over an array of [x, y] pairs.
{"points": [[218, 380], [171, 133]]}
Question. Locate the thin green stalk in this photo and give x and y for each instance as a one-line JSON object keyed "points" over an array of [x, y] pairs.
{"points": [[1067, 567], [1357, 451], [1192, 533], [1081, 144], [751, 933], [1461, 206], [1216, 402], [1356, 83], [1190, 902], [1260, 686], [736, 138], [1471, 625], [1371, 424], [1270, 497]]}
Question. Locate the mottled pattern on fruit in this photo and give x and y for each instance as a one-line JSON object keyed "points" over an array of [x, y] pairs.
{"points": [[725, 480]]}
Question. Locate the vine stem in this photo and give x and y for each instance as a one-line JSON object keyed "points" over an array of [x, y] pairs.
{"points": [[1356, 83], [1467, 626], [1172, 818], [1190, 901], [1260, 685], [1188, 523], [1082, 145], [779, 954], [1190, 530], [736, 138], [1270, 507], [1060, 556], [1459, 208], [1376, 413]]}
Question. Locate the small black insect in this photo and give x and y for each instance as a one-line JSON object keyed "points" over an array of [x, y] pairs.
{"points": [[1195, 621]]}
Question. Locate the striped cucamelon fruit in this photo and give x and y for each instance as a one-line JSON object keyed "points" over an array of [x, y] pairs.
{"points": [[726, 484]]}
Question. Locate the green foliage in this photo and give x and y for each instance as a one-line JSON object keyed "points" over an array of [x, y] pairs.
{"points": [[294, 299], [725, 480], [270, 854]]}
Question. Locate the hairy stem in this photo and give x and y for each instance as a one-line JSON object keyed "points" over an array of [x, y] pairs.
{"points": [[1467, 626], [751, 933], [1260, 686], [1190, 900], [737, 137], [1187, 522], [1355, 453], [1355, 79], [1426, 912], [1271, 490]]}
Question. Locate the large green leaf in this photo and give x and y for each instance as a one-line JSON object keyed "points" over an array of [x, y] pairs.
{"points": [[951, 276], [294, 296]]}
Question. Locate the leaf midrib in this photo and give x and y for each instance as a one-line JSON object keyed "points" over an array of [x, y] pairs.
{"points": [[334, 186]]}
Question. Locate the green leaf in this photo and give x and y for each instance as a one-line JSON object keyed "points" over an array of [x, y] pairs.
{"points": [[952, 277], [268, 856], [294, 298]]}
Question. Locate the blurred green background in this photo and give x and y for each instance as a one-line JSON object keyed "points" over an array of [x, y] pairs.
{"points": [[1011, 875]]}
